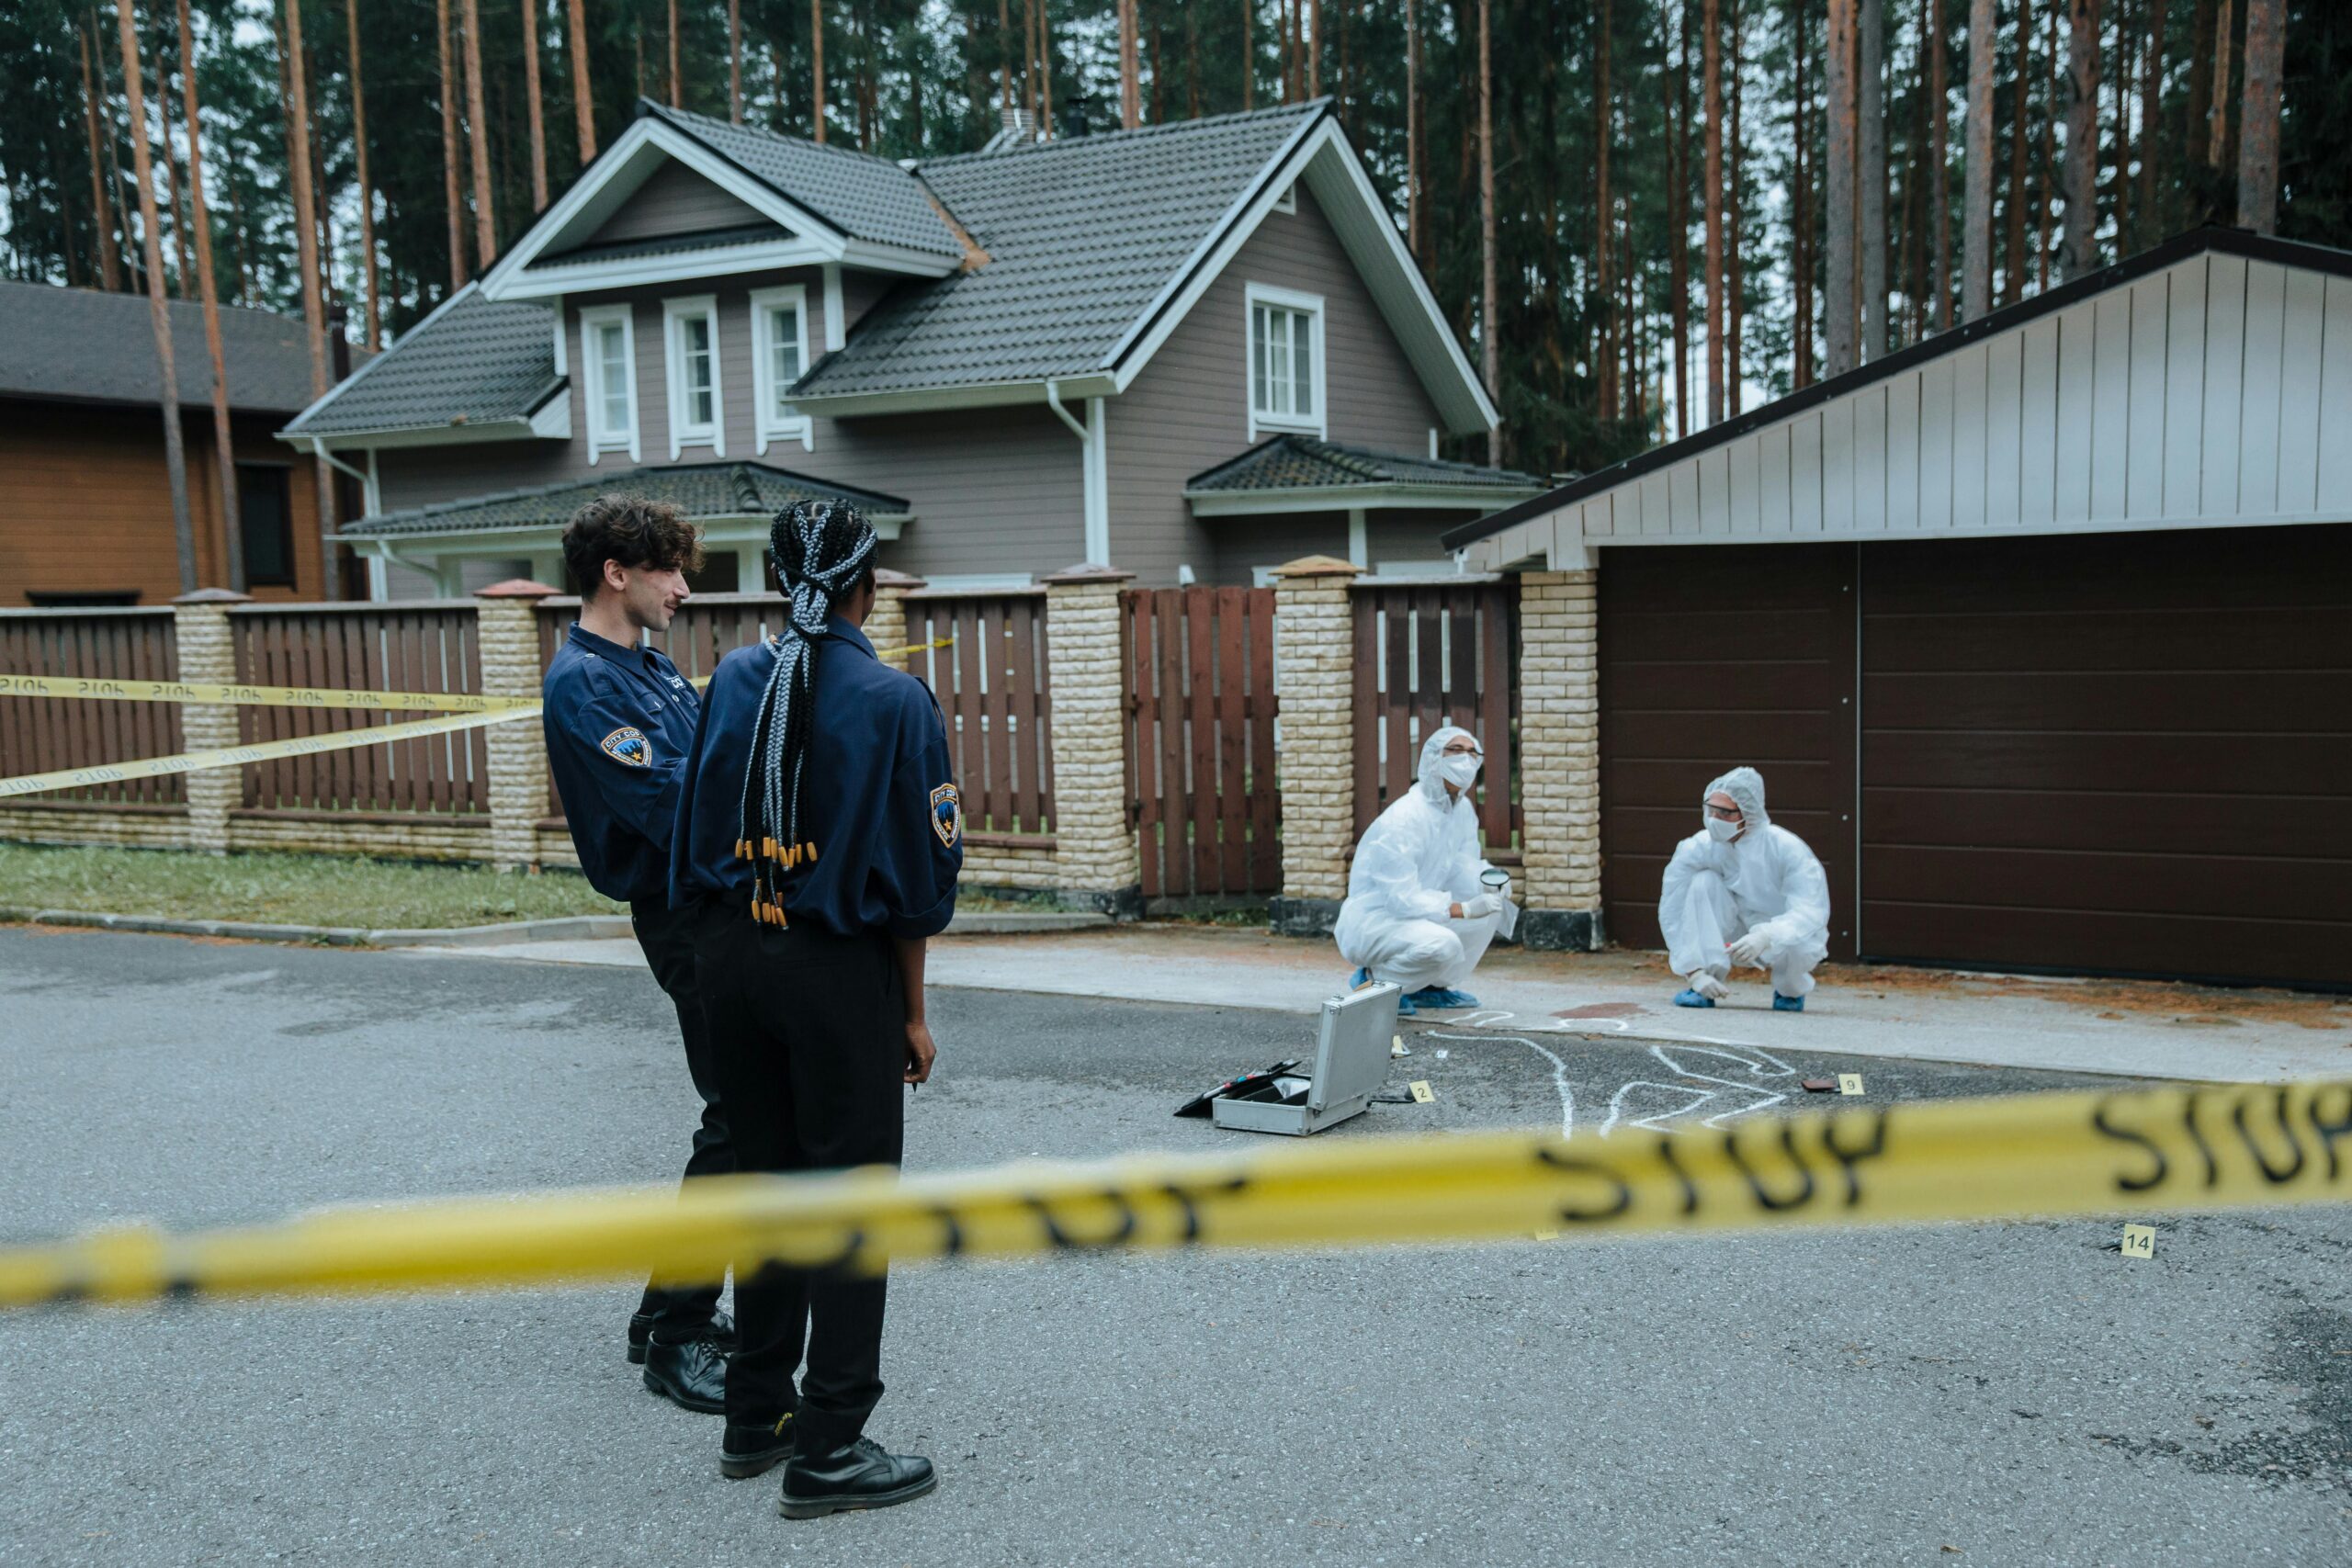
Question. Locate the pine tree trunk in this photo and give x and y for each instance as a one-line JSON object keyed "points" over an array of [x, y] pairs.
{"points": [[2218, 131], [1977, 243], [2044, 203], [1871, 72], [1801, 239], [534, 114], [1130, 82], [1839, 329], [677, 81], [456, 201], [1004, 58], [2266, 43], [102, 210], [2152, 76], [2195, 126], [816, 66], [1736, 274], [478, 139], [224, 447], [1678, 215], [583, 98], [2081, 254], [158, 313], [2020, 105], [1412, 129], [734, 66], [306, 207], [1939, 164], [1489, 326], [172, 172], [1604, 246], [1712, 79], [1192, 63], [1314, 47], [374, 338], [1249, 56]]}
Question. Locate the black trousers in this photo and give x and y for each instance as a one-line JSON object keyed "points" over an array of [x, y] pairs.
{"points": [[809, 1030], [666, 936]]}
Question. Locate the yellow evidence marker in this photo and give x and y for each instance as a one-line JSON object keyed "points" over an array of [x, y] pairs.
{"points": [[1849, 1083], [2139, 1241], [1423, 1092]]}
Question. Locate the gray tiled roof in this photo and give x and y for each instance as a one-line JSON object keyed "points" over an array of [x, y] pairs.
{"points": [[1081, 234], [90, 347], [701, 489], [474, 362], [662, 245], [1301, 462], [864, 196]]}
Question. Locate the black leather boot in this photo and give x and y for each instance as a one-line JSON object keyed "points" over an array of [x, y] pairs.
{"points": [[859, 1475], [755, 1449], [641, 1333], [692, 1374]]}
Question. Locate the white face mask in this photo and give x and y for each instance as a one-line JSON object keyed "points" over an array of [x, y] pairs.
{"points": [[1724, 832], [1460, 769]]}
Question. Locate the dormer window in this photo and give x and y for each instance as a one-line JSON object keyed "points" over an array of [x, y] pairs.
{"points": [[779, 357], [696, 417], [608, 380], [1286, 361]]}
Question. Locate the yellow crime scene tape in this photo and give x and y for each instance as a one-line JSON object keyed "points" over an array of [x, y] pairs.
{"points": [[470, 711], [2035, 1155]]}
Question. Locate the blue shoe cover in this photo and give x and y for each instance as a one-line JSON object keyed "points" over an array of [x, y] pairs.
{"points": [[1439, 996], [1360, 979], [1405, 1007], [1787, 1004], [1688, 998]]}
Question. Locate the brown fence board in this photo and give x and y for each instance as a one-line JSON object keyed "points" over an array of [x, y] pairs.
{"points": [[1447, 654], [1200, 739], [42, 734]]}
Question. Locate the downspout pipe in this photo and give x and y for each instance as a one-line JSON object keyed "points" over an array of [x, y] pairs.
{"points": [[1095, 470]]}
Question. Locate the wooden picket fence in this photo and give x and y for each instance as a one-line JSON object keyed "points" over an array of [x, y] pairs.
{"points": [[992, 689], [1200, 672], [39, 735]]}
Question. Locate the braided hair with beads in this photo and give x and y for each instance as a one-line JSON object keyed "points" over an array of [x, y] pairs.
{"points": [[821, 550]]}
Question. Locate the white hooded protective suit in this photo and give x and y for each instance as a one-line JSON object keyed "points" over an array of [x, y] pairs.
{"points": [[1414, 863], [1765, 881]]}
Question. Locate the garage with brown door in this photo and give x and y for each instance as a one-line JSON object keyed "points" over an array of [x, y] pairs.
{"points": [[2119, 753]]}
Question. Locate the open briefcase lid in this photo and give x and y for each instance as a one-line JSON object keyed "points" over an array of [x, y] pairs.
{"points": [[1352, 1053]]}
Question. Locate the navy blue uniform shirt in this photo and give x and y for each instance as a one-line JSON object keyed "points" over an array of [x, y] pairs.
{"points": [[619, 721], [877, 801]]}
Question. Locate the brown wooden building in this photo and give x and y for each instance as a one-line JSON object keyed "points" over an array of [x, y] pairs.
{"points": [[88, 518]]}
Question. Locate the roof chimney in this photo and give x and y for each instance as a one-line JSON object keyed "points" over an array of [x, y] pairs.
{"points": [[1020, 129]]}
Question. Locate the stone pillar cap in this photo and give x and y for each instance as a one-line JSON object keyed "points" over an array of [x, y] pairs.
{"points": [[906, 581], [517, 588], [1086, 571], [1319, 565], [214, 596]]}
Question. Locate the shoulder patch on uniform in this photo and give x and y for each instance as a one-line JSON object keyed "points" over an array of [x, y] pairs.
{"points": [[947, 814], [628, 744]]}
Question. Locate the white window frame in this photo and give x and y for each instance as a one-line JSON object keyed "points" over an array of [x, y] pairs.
{"points": [[1288, 200], [593, 319], [1311, 305], [770, 424], [675, 312]]}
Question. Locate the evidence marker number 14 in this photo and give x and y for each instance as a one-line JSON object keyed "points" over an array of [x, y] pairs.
{"points": [[2139, 1241]]}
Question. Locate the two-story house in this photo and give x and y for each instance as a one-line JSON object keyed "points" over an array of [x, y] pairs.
{"points": [[1192, 350]]}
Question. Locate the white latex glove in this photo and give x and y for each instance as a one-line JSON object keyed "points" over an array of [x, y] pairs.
{"points": [[1707, 985], [1747, 952], [1479, 908]]}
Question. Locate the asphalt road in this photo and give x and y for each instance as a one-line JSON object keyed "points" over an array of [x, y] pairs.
{"points": [[2004, 1393]]}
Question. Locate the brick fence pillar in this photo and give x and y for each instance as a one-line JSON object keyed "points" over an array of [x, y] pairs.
{"points": [[885, 629], [209, 653], [1559, 740], [509, 633], [1094, 844], [1315, 682]]}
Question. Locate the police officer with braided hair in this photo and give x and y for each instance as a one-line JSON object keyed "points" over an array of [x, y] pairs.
{"points": [[820, 835]]}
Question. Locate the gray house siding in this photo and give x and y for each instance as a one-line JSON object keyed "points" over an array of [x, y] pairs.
{"points": [[993, 490], [1391, 538], [1190, 408], [675, 200]]}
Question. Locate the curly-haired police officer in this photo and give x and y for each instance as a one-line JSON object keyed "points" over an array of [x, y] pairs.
{"points": [[820, 835], [619, 720]]}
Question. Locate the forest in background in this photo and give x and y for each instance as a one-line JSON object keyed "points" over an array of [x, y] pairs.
{"points": [[1670, 194]]}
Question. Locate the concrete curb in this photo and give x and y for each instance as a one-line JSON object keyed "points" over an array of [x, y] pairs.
{"points": [[565, 927]]}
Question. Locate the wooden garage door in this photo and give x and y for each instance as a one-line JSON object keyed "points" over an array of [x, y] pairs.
{"points": [[2128, 753], [1711, 657]]}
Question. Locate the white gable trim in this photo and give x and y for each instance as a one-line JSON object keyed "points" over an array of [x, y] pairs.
{"points": [[627, 164], [293, 426], [1320, 155]]}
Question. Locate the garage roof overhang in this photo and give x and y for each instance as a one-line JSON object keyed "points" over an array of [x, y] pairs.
{"points": [[2204, 383]]}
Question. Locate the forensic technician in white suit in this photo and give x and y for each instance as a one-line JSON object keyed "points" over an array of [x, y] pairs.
{"points": [[1421, 907], [1742, 892]]}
